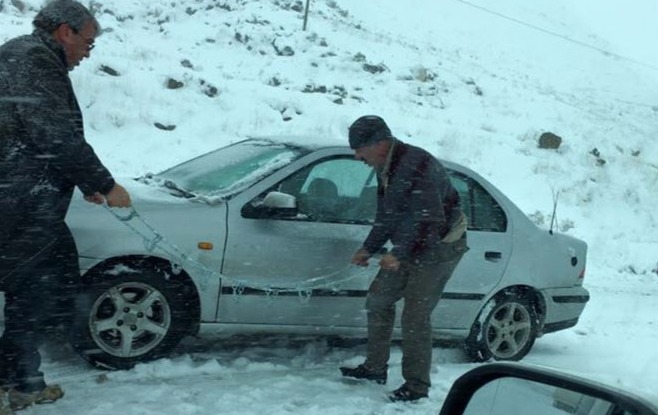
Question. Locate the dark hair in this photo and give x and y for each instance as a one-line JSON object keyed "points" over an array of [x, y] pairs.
{"points": [[59, 12], [368, 130]]}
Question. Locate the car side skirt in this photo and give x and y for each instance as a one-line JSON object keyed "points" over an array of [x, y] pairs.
{"points": [[209, 329], [227, 290]]}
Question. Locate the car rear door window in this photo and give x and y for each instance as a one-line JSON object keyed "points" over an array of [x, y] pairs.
{"points": [[483, 211]]}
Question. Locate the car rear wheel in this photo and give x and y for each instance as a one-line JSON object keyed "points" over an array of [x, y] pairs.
{"points": [[131, 316], [505, 330]]}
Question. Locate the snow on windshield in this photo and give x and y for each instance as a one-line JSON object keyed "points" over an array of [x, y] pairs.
{"points": [[219, 175], [275, 163]]}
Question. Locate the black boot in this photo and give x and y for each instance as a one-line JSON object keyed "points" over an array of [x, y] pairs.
{"points": [[404, 394], [362, 372]]}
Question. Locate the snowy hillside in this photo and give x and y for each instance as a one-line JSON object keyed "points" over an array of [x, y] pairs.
{"points": [[169, 80]]}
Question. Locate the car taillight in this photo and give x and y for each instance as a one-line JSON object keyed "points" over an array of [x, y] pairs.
{"points": [[581, 276]]}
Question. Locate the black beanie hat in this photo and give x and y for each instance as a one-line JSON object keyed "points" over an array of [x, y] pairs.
{"points": [[367, 130]]}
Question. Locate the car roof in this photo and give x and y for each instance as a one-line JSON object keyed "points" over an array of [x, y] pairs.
{"points": [[309, 142], [314, 143]]}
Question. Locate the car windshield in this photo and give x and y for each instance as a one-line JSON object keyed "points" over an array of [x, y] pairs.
{"points": [[225, 172]]}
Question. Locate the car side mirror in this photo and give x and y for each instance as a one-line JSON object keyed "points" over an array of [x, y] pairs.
{"points": [[515, 389], [275, 205]]}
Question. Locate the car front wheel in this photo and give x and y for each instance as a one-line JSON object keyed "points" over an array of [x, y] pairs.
{"points": [[505, 330], [129, 317]]}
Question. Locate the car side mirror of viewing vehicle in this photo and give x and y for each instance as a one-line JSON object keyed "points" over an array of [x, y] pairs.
{"points": [[516, 389], [275, 205]]}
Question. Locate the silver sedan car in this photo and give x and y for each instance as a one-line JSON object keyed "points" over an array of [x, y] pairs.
{"points": [[258, 236]]}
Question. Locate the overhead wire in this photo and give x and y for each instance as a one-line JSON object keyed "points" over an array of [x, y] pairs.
{"points": [[558, 35]]}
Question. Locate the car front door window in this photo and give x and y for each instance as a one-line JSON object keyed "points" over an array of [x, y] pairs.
{"points": [[335, 190]]}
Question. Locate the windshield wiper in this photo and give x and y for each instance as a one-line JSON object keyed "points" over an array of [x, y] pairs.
{"points": [[181, 192], [150, 179]]}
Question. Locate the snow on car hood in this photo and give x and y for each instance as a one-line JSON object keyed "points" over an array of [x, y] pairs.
{"points": [[140, 194]]}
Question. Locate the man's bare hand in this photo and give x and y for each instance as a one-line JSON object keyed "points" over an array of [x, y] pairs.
{"points": [[389, 262], [118, 197], [96, 198], [361, 258]]}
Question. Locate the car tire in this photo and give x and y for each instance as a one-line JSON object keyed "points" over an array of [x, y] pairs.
{"points": [[505, 329], [130, 316]]}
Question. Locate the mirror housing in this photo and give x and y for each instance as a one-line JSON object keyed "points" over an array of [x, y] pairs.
{"points": [[499, 387], [275, 205]]}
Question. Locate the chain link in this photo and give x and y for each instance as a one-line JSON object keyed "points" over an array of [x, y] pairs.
{"points": [[179, 260]]}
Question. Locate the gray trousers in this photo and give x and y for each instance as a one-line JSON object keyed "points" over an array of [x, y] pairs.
{"points": [[420, 283]]}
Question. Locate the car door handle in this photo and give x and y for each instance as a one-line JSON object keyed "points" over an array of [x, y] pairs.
{"points": [[492, 256]]}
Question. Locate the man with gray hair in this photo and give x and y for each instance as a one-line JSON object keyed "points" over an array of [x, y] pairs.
{"points": [[43, 157], [419, 212]]}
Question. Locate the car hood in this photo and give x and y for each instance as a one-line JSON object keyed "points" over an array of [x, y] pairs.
{"points": [[141, 194], [102, 232]]}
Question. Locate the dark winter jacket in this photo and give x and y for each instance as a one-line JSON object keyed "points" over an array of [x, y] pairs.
{"points": [[416, 204], [43, 152]]}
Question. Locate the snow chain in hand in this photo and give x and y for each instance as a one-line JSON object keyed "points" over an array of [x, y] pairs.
{"points": [[153, 240]]}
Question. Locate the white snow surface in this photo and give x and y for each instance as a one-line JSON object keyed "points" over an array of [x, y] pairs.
{"points": [[471, 81]]}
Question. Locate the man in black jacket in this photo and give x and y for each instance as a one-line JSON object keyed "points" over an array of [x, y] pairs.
{"points": [[43, 156], [418, 211]]}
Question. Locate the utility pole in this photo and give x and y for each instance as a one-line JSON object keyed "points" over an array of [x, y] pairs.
{"points": [[306, 14]]}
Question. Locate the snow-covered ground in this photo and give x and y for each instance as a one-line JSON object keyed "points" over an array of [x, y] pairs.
{"points": [[472, 82]]}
